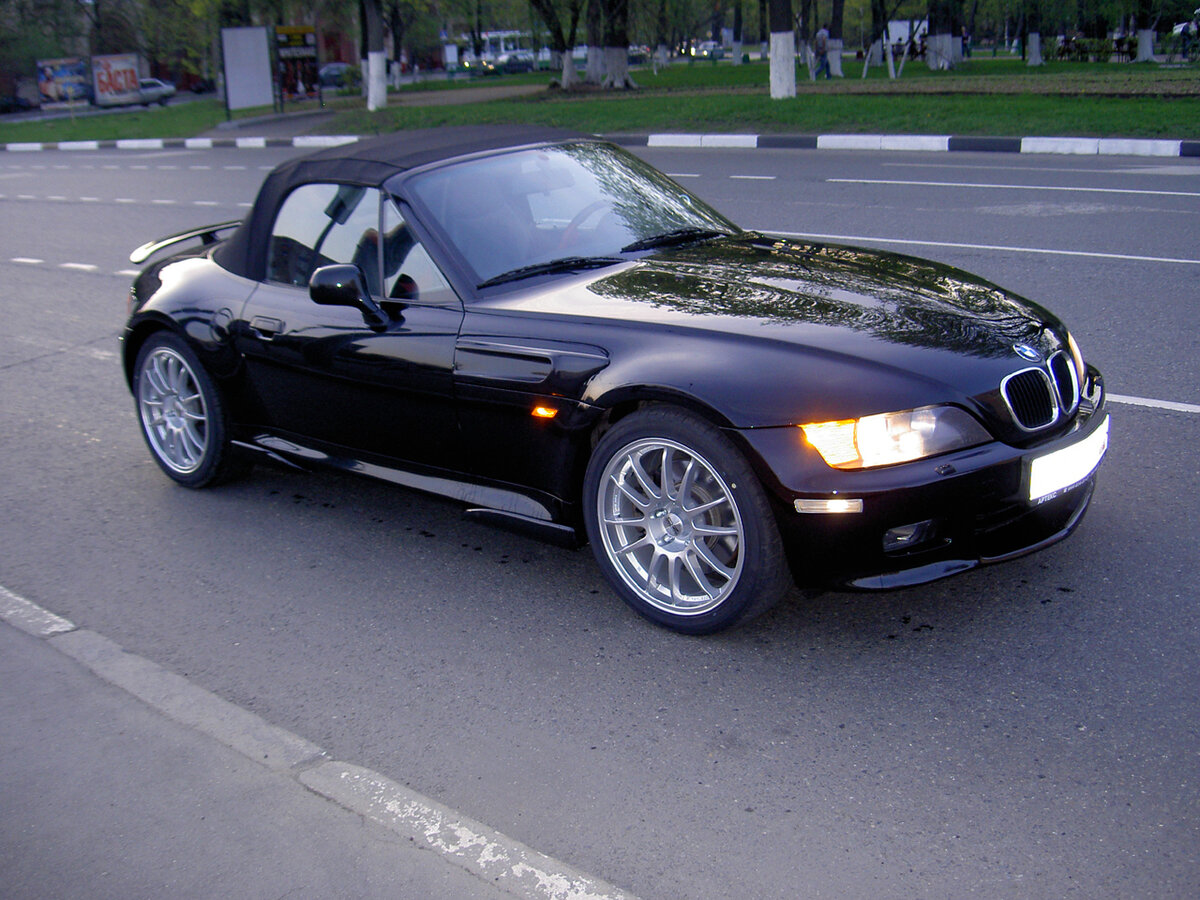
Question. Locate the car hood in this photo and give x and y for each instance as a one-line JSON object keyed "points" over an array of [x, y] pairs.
{"points": [[931, 332]]}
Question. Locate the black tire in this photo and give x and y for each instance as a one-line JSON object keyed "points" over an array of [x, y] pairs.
{"points": [[697, 551], [182, 415]]}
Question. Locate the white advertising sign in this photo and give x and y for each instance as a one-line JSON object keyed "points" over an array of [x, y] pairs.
{"points": [[248, 80], [115, 79]]}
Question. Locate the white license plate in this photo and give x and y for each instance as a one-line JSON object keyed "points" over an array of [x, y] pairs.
{"points": [[1055, 472]]}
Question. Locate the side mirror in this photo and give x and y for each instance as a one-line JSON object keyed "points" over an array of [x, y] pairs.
{"points": [[345, 285]]}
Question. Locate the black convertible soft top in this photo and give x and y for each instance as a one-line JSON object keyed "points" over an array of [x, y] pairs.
{"points": [[368, 163]]}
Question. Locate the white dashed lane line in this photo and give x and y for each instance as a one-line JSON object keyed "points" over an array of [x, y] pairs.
{"points": [[1014, 187], [58, 198]]}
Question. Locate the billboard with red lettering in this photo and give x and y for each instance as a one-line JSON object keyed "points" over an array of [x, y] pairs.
{"points": [[115, 79]]}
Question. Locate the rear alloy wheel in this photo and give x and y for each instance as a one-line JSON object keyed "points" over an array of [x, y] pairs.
{"points": [[182, 417], [680, 525]]}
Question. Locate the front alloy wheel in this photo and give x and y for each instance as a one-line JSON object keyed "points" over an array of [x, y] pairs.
{"points": [[680, 524], [182, 418]]}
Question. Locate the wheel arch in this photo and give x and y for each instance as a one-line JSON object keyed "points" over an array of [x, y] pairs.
{"points": [[135, 338], [620, 403]]}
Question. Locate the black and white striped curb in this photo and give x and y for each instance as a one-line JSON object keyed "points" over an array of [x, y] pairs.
{"points": [[911, 142], [924, 143], [241, 143]]}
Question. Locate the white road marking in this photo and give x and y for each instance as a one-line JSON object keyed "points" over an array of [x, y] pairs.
{"points": [[1013, 187], [27, 260], [1155, 404], [31, 618], [861, 239], [753, 177], [682, 175], [79, 267], [1128, 170]]}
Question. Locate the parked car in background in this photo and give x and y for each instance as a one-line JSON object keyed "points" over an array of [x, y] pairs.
{"points": [[336, 75], [515, 61], [544, 327], [152, 90]]}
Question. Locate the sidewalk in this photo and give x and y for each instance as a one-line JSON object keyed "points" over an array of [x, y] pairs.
{"points": [[120, 779], [104, 797]]}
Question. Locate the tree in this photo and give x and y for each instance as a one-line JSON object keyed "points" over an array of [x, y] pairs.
{"points": [[783, 50], [836, 43], [594, 28], [375, 71], [616, 45], [945, 17], [562, 37], [1032, 44]]}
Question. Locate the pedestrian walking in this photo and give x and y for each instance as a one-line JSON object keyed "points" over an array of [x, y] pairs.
{"points": [[821, 47]]}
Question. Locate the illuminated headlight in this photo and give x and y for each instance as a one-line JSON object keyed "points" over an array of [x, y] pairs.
{"points": [[890, 438], [1077, 361]]}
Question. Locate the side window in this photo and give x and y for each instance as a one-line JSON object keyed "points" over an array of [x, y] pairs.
{"points": [[408, 271], [323, 224]]}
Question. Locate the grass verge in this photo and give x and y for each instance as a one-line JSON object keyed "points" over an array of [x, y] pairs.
{"points": [[987, 96], [1010, 115]]}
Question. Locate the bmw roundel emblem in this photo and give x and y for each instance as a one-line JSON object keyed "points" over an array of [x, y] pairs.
{"points": [[1026, 352]]}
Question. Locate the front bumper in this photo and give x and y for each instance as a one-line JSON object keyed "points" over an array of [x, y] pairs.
{"points": [[932, 518]]}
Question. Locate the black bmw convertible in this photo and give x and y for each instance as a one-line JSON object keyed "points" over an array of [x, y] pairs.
{"points": [[547, 329]]}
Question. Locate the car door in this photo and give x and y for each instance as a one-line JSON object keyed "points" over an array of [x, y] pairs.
{"points": [[321, 373]]}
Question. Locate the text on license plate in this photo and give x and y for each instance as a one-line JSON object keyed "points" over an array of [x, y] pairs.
{"points": [[1065, 468]]}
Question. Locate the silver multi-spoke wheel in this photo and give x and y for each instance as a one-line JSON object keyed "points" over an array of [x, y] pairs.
{"points": [[174, 414], [182, 414], [670, 526]]}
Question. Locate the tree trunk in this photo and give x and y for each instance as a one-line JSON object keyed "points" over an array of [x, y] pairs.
{"points": [[616, 62], [594, 73], [1144, 22], [568, 70], [562, 40], [783, 50], [939, 46], [375, 75], [1034, 57], [616, 45], [1145, 45], [837, 15], [737, 33]]}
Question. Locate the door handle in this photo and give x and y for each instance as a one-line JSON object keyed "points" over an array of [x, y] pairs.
{"points": [[266, 327]]}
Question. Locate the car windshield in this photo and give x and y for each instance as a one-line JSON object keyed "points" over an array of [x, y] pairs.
{"points": [[521, 210]]}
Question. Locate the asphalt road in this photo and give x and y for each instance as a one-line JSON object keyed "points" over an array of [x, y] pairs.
{"points": [[1024, 731]]}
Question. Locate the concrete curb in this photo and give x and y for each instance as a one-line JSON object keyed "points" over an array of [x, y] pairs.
{"points": [[496, 859], [902, 142]]}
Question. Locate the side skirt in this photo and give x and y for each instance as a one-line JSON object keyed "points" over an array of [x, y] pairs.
{"points": [[496, 506]]}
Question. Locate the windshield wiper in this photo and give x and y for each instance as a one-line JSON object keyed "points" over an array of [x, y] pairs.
{"points": [[679, 236], [565, 264]]}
